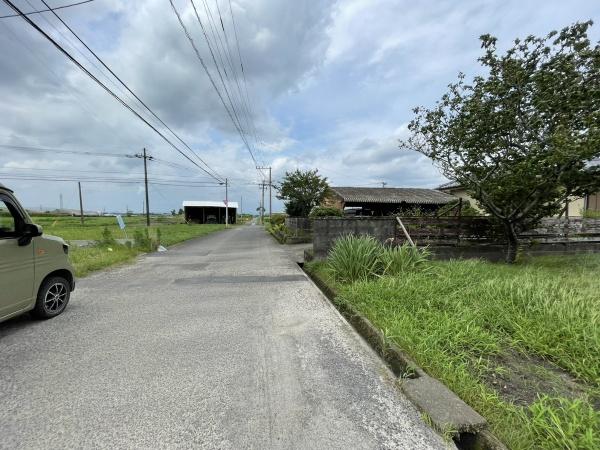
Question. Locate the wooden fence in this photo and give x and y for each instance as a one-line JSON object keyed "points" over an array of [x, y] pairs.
{"points": [[454, 230], [449, 230]]}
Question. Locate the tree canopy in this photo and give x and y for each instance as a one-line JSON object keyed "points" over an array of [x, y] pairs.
{"points": [[523, 137], [302, 191]]}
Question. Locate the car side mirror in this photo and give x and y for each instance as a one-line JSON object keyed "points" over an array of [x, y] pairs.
{"points": [[30, 231]]}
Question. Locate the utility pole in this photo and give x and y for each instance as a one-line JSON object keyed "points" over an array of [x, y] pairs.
{"points": [[241, 206], [383, 184], [147, 203], [80, 202], [262, 203], [226, 203], [61, 202], [270, 193]]}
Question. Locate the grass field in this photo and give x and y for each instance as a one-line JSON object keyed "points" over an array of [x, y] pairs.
{"points": [[89, 259], [520, 343]]}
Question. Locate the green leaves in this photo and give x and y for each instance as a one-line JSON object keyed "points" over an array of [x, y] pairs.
{"points": [[521, 137], [302, 191]]}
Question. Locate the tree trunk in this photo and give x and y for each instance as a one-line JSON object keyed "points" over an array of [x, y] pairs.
{"points": [[512, 243]]}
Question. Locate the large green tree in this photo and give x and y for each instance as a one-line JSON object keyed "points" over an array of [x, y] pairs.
{"points": [[302, 191], [523, 136]]}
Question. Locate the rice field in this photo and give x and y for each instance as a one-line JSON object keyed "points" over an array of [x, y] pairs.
{"points": [[163, 229]]}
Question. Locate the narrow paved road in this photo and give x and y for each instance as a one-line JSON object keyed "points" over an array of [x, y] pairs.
{"points": [[219, 343]]}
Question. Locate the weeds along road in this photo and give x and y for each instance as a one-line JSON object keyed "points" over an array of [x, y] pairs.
{"points": [[219, 343]]}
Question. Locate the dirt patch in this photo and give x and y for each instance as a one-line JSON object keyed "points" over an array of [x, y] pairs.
{"points": [[520, 378]]}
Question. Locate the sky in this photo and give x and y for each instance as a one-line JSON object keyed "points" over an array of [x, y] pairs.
{"points": [[330, 85]]}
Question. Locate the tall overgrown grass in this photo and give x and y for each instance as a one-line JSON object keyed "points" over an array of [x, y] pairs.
{"points": [[462, 318], [358, 258]]}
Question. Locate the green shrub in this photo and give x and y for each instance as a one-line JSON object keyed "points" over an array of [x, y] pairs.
{"points": [[279, 232], [107, 238], [142, 241], [326, 211], [590, 214], [403, 259], [354, 258], [277, 219]]}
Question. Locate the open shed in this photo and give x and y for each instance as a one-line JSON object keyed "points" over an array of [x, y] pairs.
{"points": [[209, 211], [385, 201]]}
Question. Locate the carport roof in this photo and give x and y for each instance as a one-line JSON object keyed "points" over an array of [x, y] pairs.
{"points": [[208, 204], [416, 196]]}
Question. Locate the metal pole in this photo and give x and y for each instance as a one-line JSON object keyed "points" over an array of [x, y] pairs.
{"points": [[226, 204], [270, 199], [80, 202], [146, 185]]}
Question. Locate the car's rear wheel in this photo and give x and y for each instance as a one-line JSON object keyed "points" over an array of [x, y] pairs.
{"points": [[52, 298]]}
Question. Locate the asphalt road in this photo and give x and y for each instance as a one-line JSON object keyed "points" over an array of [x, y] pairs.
{"points": [[218, 343]]}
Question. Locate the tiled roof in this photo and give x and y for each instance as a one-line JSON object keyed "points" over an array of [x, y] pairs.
{"points": [[413, 196], [449, 185]]}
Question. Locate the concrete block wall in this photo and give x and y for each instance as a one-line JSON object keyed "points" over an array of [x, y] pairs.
{"points": [[327, 230], [299, 225], [553, 236]]}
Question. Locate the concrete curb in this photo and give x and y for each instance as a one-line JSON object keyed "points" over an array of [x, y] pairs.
{"points": [[442, 406]]}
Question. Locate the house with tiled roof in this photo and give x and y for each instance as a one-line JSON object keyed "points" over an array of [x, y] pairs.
{"points": [[367, 201]]}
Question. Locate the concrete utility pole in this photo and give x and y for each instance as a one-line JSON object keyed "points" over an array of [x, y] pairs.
{"points": [[147, 202], [61, 201], [262, 203], [226, 203], [270, 193], [80, 202]]}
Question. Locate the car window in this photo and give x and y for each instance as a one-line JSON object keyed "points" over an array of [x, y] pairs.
{"points": [[9, 220]]}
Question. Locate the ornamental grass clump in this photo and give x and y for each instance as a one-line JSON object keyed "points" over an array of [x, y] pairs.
{"points": [[404, 259], [358, 258], [353, 258]]}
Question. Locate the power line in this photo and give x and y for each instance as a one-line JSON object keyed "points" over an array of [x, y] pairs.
{"points": [[62, 170], [103, 86], [193, 44], [237, 41], [73, 152], [49, 9], [130, 91], [222, 50], [216, 44], [249, 120], [227, 54], [107, 180]]}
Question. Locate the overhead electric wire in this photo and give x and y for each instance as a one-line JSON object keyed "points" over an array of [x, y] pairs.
{"points": [[72, 152], [102, 85], [131, 92], [249, 119], [231, 102], [59, 171], [41, 59], [73, 46], [237, 42], [108, 180], [47, 10], [216, 39], [193, 44], [223, 53]]}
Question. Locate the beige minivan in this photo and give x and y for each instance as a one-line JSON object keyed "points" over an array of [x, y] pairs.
{"points": [[35, 272]]}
